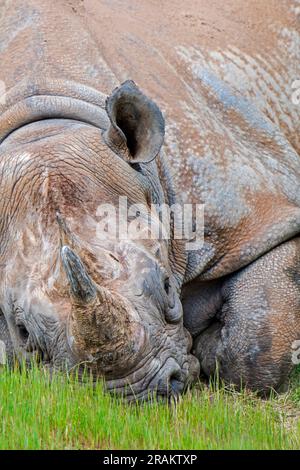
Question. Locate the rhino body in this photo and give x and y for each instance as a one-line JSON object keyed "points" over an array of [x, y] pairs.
{"points": [[222, 75]]}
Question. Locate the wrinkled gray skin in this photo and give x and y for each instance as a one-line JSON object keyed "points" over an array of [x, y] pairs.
{"points": [[231, 142]]}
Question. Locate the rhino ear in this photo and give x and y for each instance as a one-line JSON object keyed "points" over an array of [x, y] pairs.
{"points": [[137, 126]]}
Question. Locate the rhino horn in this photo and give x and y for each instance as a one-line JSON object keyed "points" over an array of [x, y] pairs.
{"points": [[81, 285]]}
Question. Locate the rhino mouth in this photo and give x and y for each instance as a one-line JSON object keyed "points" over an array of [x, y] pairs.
{"points": [[38, 103]]}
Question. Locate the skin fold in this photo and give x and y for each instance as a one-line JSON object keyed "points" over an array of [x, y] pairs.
{"points": [[204, 115]]}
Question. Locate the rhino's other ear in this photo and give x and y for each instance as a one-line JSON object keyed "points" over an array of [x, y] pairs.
{"points": [[137, 126]]}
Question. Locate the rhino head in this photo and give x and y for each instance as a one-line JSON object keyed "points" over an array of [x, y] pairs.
{"points": [[70, 295]]}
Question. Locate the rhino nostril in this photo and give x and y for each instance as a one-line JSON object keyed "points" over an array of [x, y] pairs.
{"points": [[176, 385]]}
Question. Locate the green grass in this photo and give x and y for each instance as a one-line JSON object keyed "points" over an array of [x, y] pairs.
{"points": [[39, 413]]}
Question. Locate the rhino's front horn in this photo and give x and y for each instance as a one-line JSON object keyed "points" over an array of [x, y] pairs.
{"points": [[81, 285], [102, 323]]}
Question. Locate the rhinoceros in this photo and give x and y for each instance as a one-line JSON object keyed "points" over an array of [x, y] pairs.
{"points": [[192, 103]]}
